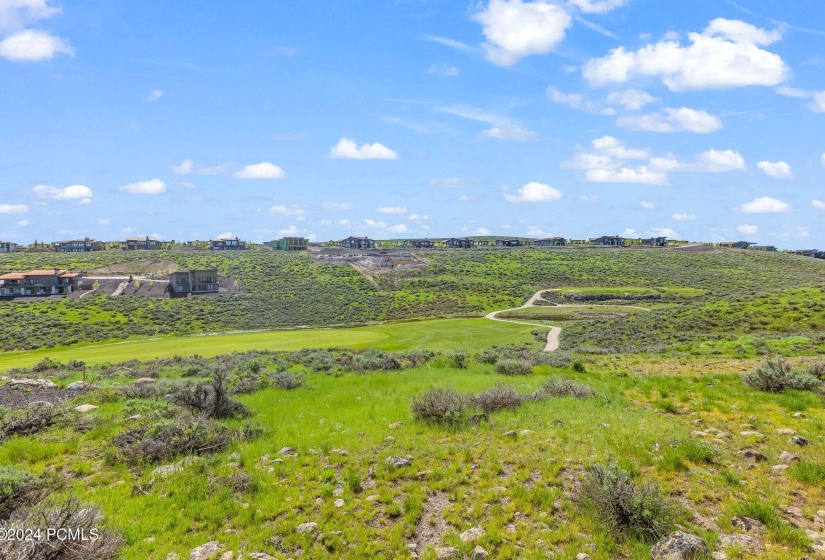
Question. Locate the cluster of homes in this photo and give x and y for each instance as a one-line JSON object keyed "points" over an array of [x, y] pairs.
{"points": [[466, 243]]}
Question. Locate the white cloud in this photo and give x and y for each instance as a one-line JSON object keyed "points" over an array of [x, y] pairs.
{"points": [[337, 206], [711, 161], [535, 231], [673, 120], [263, 170], [597, 6], [588, 198], [818, 104], [16, 14], [665, 232], [384, 227], [647, 205], [630, 232], [443, 69], [418, 217], [796, 93], [22, 223], [640, 175], [606, 164], [534, 192], [748, 229], [153, 186], [72, 192], [630, 99], [516, 29], [482, 231], [31, 45], [155, 95], [104, 221], [764, 205], [776, 169], [818, 204], [512, 133], [295, 231], [452, 43], [392, 210], [298, 212], [348, 149], [184, 168], [225, 235], [684, 217], [578, 101], [13, 208], [726, 54], [503, 127]]}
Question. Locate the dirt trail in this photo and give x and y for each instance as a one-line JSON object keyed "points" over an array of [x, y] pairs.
{"points": [[120, 289], [366, 274]]}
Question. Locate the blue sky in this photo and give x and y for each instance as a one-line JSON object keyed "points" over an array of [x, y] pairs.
{"points": [[699, 120]]}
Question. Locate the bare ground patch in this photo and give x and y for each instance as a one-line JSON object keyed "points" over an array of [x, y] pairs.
{"points": [[431, 525]]}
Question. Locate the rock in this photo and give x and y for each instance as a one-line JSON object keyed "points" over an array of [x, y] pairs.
{"points": [[779, 468], [582, 556], [786, 432], [396, 425], [679, 546], [603, 425], [795, 512], [724, 435], [748, 525], [509, 433], [472, 535], [34, 383], [205, 551], [85, 408], [228, 555], [719, 556], [172, 556], [309, 527], [339, 503], [389, 439], [166, 470], [260, 556], [798, 415], [399, 462], [788, 457], [423, 474], [752, 434], [525, 432], [77, 386], [144, 381], [696, 433], [445, 552], [479, 553], [744, 542], [753, 455], [291, 451], [800, 441], [338, 492]]}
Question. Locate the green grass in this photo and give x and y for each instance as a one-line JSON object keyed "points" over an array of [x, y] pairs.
{"points": [[445, 334], [570, 313]]}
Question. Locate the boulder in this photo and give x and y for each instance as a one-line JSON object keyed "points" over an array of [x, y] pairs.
{"points": [[752, 434], [309, 527], [85, 408], [479, 553], [205, 551], [445, 552], [144, 381], [748, 525], [582, 556], [472, 535], [77, 386], [786, 432], [679, 546], [788, 457], [399, 462], [753, 455], [743, 542], [260, 556], [800, 441], [339, 503], [290, 451], [33, 383]]}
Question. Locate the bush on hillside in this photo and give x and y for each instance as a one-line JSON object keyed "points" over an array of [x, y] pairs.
{"points": [[168, 439], [288, 380], [17, 488], [565, 388], [817, 370], [639, 512], [513, 367], [778, 375], [374, 359], [442, 406], [210, 400], [498, 397]]}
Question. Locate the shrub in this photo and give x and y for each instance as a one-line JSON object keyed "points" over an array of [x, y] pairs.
{"points": [[514, 367], [629, 510], [61, 516], [459, 360], [288, 380], [169, 438], [488, 356], [320, 361], [565, 388], [417, 358], [373, 359], [578, 367], [46, 364], [34, 418], [210, 400], [777, 375], [498, 397], [16, 489], [442, 406], [817, 370]]}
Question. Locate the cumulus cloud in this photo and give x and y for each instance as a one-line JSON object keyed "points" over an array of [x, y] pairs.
{"points": [[225, 235], [665, 232], [337, 206], [184, 168], [16, 14], [153, 186], [392, 210], [263, 170], [31, 46], [818, 104], [673, 120], [711, 161], [155, 94], [534, 192], [597, 6], [298, 212], [647, 205], [726, 54], [578, 101], [764, 205], [512, 133], [606, 163], [776, 169], [818, 204], [514, 29], [13, 208], [630, 99], [348, 149], [73, 192], [684, 217], [748, 229]]}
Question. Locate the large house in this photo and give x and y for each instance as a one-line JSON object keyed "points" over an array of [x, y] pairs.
{"points": [[39, 283], [420, 243], [655, 241], [813, 253], [357, 243], [607, 241], [7, 247], [289, 244], [185, 282], [768, 248], [78, 246], [551, 242], [142, 244], [459, 243], [736, 244], [225, 244], [508, 242]]}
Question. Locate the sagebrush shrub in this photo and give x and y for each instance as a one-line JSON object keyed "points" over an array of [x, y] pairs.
{"points": [[167, 439], [776, 375], [565, 388], [498, 397], [288, 380], [513, 367], [442, 406]]}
